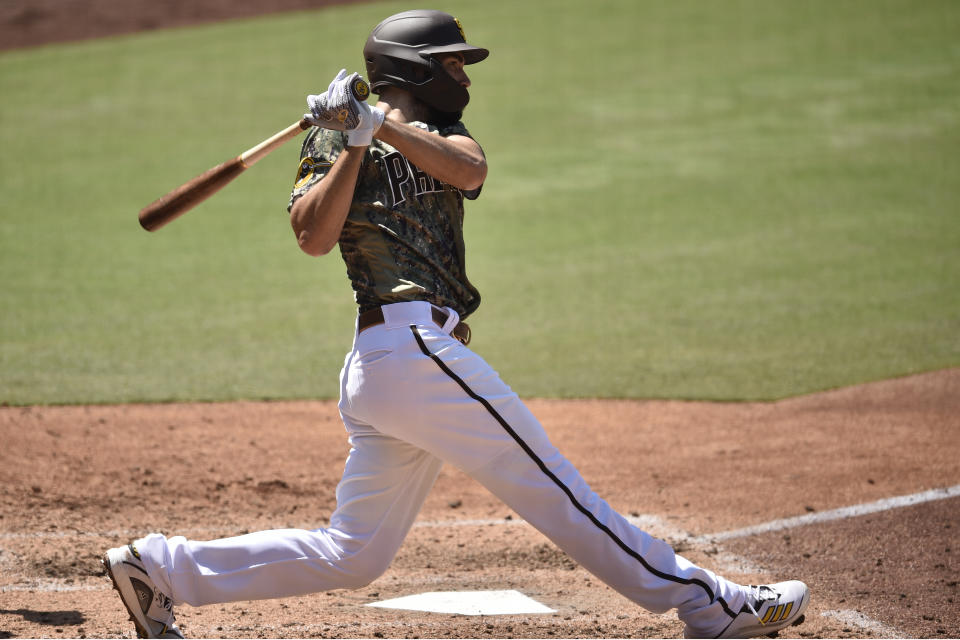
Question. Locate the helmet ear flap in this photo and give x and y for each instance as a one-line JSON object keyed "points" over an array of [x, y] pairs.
{"points": [[415, 73], [384, 70]]}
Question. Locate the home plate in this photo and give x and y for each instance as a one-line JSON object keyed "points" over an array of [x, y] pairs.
{"points": [[467, 603]]}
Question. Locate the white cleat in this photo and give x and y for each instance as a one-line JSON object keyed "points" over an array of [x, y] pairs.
{"points": [[150, 609], [768, 609]]}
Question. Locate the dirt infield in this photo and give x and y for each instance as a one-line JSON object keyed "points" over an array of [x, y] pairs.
{"points": [[77, 480], [29, 23]]}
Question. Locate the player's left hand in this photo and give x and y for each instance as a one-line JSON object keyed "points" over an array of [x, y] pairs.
{"points": [[337, 108]]}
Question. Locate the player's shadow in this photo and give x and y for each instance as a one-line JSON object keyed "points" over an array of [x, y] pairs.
{"points": [[48, 618]]}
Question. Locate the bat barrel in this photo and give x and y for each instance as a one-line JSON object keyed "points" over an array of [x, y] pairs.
{"points": [[190, 194]]}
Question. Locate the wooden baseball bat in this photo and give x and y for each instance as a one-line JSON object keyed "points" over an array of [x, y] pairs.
{"points": [[191, 193]]}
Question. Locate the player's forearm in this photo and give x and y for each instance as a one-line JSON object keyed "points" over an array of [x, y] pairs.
{"points": [[457, 161], [317, 218]]}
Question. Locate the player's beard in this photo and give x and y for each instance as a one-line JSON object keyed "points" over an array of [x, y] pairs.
{"points": [[443, 118], [423, 112]]}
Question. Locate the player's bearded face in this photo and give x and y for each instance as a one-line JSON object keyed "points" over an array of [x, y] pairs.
{"points": [[453, 64]]}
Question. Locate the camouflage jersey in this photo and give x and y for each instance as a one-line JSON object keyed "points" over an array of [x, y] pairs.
{"points": [[403, 237]]}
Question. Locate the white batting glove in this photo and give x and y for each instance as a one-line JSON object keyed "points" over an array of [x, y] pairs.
{"points": [[337, 108], [370, 120]]}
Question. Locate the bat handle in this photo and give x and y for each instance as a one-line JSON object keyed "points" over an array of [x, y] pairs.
{"points": [[254, 154], [360, 89]]}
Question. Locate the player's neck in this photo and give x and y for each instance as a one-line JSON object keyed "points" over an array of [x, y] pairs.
{"points": [[402, 106]]}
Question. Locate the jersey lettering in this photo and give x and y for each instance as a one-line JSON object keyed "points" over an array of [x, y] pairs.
{"points": [[422, 182], [401, 171]]}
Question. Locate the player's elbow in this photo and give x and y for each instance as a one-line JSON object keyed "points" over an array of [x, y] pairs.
{"points": [[310, 238], [479, 175], [474, 174], [312, 246]]}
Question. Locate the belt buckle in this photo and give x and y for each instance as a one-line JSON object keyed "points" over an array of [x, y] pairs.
{"points": [[461, 332]]}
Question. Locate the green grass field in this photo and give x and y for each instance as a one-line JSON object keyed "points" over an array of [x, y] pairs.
{"points": [[716, 200]]}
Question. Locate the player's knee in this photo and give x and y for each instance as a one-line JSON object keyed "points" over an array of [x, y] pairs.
{"points": [[359, 580], [365, 566]]}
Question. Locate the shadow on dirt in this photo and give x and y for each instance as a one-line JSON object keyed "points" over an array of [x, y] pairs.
{"points": [[50, 618]]}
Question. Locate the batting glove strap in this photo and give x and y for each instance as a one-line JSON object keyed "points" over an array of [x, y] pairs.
{"points": [[370, 123]]}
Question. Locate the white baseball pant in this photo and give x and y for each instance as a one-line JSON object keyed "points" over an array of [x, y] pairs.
{"points": [[412, 397]]}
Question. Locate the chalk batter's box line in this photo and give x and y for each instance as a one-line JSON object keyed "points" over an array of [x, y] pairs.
{"points": [[655, 524]]}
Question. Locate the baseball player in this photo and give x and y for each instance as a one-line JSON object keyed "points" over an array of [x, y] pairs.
{"points": [[388, 184]]}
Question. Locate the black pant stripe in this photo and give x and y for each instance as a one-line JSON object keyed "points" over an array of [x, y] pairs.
{"points": [[543, 467]]}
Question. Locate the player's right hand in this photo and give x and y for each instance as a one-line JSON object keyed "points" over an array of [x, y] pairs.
{"points": [[370, 120]]}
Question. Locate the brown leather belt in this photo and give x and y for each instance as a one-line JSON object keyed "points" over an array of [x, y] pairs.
{"points": [[374, 316]]}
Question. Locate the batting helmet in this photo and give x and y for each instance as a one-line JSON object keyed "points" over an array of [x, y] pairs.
{"points": [[401, 50]]}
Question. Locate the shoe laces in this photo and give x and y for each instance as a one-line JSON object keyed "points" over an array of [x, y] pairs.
{"points": [[758, 595]]}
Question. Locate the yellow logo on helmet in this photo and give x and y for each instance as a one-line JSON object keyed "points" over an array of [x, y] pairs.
{"points": [[460, 27]]}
